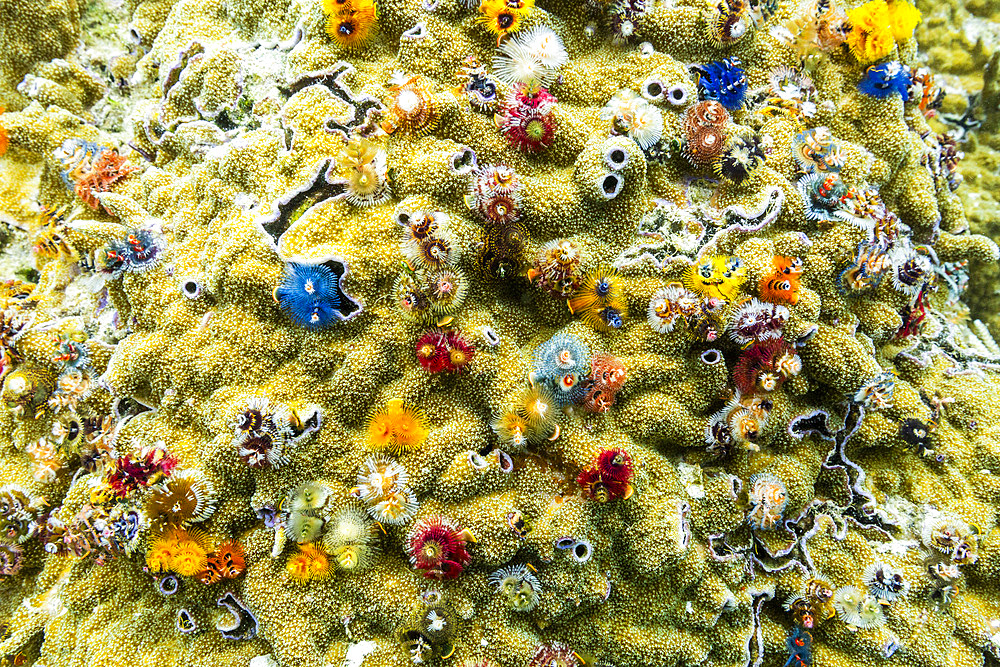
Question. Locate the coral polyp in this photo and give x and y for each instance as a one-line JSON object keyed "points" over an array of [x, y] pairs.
{"points": [[607, 375], [532, 58], [634, 117], [512, 429], [782, 286], [362, 166], [412, 107], [503, 17], [526, 118], [885, 582], [97, 175], [883, 80], [670, 306], [138, 469], [741, 155], [557, 267], [704, 132], [764, 365], [537, 408], [719, 277], [227, 561], [560, 364], [310, 563], [350, 540], [379, 475], [555, 654], [439, 351]]}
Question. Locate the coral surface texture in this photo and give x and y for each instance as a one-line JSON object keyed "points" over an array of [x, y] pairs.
{"points": [[499, 333]]}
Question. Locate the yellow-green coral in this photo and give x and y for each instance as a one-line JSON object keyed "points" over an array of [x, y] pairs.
{"points": [[755, 454]]}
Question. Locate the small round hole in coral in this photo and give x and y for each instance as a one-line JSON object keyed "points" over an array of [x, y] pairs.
{"points": [[506, 463], [477, 461], [417, 32], [677, 95], [616, 158], [191, 288], [711, 357], [492, 337], [168, 585], [652, 90], [185, 622], [582, 551], [403, 218], [610, 185], [565, 543]]}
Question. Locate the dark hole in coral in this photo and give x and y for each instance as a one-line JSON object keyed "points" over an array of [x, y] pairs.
{"points": [[73, 431], [191, 288], [287, 209], [419, 31], [463, 160], [654, 89], [169, 585], [807, 336], [711, 357], [242, 625], [581, 551], [185, 622], [224, 122], [348, 306], [815, 422], [310, 423], [126, 407], [491, 336], [677, 95], [610, 184], [617, 156]]}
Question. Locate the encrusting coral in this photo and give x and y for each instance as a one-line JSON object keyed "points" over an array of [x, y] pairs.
{"points": [[393, 332]]}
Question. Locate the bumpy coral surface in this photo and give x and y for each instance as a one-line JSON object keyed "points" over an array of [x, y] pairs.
{"points": [[520, 332]]}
